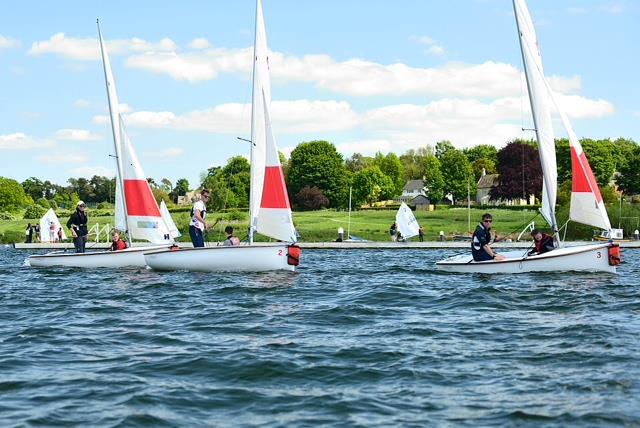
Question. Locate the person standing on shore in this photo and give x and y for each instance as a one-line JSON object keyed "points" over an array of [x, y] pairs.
{"points": [[77, 224], [480, 248], [198, 225], [28, 234]]}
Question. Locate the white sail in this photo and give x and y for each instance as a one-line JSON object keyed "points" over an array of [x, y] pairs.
{"points": [[46, 221], [270, 210], [136, 208], [166, 216], [261, 90], [274, 217], [540, 109], [406, 222]]}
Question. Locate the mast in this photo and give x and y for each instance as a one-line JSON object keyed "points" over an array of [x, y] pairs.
{"points": [[114, 114], [540, 112], [252, 171]]}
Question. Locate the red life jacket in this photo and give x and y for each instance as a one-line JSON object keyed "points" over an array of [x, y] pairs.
{"points": [[118, 245]]}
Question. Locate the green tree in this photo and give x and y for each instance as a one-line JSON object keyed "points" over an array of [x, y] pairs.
{"points": [[318, 163], [12, 195], [481, 151], [443, 147], [629, 178], [481, 165], [229, 185], [457, 173], [600, 159], [371, 185], [622, 150], [434, 182], [181, 188], [413, 162], [391, 166], [166, 185], [104, 189], [33, 187], [358, 162]]}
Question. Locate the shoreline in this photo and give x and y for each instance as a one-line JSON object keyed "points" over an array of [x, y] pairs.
{"points": [[427, 245]]}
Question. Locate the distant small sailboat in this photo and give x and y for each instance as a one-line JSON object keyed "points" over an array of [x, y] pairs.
{"points": [[587, 206], [269, 208], [406, 222], [136, 210]]}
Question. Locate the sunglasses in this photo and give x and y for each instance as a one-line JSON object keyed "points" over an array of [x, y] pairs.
{"points": [[488, 221]]}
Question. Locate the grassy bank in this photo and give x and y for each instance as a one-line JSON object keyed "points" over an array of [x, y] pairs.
{"points": [[319, 226], [323, 225]]}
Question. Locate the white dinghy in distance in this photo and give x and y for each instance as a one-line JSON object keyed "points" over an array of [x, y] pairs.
{"points": [[269, 208], [587, 206], [136, 210], [406, 222]]}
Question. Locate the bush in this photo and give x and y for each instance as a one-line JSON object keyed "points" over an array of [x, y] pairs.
{"points": [[235, 216], [311, 198], [53, 204], [5, 216], [43, 203], [34, 211], [104, 206]]}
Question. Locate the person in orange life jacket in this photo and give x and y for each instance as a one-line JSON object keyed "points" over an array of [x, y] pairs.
{"points": [[480, 248], [117, 244], [231, 240], [198, 225], [77, 224], [543, 243]]}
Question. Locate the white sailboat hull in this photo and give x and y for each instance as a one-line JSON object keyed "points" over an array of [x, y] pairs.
{"points": [[588, 258], [245, 258], [130, 257]]}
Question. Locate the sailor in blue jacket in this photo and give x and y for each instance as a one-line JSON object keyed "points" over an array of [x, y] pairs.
{"points": [[480, 248]]}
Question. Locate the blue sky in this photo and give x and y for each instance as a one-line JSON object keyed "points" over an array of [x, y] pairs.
{"points": [[366, 75]]}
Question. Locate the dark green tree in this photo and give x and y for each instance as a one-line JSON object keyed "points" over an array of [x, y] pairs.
{"points": [[481, 165], [181, 188], [318, 163], [358, 162], [391, 166], [413, 162], [443, 147], [481, 151], [34, 187], [629, 178]]}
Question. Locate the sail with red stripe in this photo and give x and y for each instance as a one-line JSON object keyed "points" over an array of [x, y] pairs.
{"points": [[269, 206], [137, 212], [274, 216]]}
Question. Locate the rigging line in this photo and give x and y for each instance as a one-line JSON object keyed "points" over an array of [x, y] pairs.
{"points": [[530, 220]]}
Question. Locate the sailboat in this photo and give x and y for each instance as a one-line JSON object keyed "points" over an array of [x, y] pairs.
{"points": [[269, 208], [406, 222], [587, 206], [136, 210]]}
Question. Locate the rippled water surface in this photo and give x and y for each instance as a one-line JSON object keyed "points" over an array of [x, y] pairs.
{"points": [[354, 338]]}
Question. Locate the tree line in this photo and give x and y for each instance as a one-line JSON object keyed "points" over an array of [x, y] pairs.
{"points": [[318, 176]]}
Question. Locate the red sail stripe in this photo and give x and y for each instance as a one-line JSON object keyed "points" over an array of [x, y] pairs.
{"points": [[583, 180], [140, 200], [274, 192]]}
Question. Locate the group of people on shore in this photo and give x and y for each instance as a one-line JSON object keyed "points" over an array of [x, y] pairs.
{"points": [[32, 233], [396, 236]]}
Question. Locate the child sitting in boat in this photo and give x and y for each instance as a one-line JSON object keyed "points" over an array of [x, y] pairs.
{"points": [[117, 244], [543, 243], [231, 240]]}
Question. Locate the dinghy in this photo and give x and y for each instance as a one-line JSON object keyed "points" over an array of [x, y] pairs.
{"points": [[136, 210], [406, 222], [269, 208], [587, 206]]}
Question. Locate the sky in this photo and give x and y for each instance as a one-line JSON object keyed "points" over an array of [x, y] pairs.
{"points": [[366, 75]]}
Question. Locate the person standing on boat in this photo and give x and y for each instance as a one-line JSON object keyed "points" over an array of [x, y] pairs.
{"points": [[543, 243], [198, 225], [231, 240], [77, 224], [480, 248]]}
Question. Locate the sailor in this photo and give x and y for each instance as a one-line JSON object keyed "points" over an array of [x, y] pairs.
{"points": [[117, 244], [77, 224], [231, 239], [543, 243], [480, 248], [198, 225]]}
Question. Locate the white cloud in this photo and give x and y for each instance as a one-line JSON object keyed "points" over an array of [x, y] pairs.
{"points": [[90, 171], [364, 147], [62, 158], [578, 107], [166, 154], [82, 104], [436, 50], [21, 141], [8, 42], [234, 118], [88, 49], [76, 135], [199, 43], [422, 40]]}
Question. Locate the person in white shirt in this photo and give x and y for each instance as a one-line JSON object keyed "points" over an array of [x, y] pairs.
{"points": [[198, 225]]}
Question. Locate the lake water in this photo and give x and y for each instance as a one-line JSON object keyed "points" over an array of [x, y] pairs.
{"points": [[354, 338]]}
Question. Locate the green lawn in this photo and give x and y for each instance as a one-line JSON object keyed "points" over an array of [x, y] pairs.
{"points": [[316, 226], [319, 226]]}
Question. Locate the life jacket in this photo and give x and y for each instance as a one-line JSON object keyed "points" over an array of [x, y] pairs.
{"points": [[118, 245], [545, 244]]}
